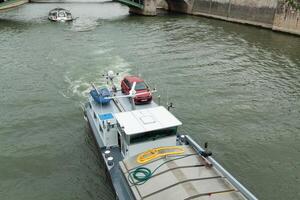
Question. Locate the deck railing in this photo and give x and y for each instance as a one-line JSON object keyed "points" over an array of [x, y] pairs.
{"points": [[225, 173], [133, 3]]}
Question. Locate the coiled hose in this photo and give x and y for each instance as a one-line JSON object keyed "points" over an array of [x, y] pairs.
{"points": [[140, 175]]}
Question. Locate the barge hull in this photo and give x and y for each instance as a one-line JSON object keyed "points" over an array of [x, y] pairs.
{"points": [[114, 173]]}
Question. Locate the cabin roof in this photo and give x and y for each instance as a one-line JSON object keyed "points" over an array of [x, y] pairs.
{"points": [[144, 120]]}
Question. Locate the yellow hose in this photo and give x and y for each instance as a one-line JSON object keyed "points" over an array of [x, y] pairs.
{"points": [[151, 154]]}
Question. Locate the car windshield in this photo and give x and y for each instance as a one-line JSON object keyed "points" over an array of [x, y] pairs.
{"points": [[140, 86]]}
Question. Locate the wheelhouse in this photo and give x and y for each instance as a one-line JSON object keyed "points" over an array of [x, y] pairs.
{"points": [[139, 130]]}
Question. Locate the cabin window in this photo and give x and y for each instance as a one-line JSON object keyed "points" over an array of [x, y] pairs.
{"points": [[95, 116], [100, 128], [152, 135], [61, 14]]}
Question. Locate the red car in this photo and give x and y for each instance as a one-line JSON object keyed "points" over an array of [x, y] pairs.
{"points": [[140, 87]]}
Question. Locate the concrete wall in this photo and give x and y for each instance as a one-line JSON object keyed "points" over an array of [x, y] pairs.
{"points": [[257, 12], [221, 8], [273, 14], [287, 19], [261, 11]]}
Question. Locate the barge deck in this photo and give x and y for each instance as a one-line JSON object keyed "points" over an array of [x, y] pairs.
{"points": [[189, 176], [123, 131]]}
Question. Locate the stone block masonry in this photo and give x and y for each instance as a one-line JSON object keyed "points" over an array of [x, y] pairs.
{"points": [[273, 14]]}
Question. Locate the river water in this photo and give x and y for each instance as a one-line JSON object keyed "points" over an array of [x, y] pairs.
{"points": [[235, 86]]}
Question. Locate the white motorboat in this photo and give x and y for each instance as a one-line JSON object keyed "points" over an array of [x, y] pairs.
{"points": [[60, 15]]}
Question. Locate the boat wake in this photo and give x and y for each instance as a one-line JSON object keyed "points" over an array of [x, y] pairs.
{"points": [[81, 86], [102, 51], [84, 25]]}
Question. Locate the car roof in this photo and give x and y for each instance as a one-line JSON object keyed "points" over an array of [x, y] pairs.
{"points": [[134, 79]]}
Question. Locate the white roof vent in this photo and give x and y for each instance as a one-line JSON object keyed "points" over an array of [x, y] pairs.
{"points": [[147, 120]]}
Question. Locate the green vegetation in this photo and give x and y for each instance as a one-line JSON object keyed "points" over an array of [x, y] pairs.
{"points": [[294, 4]]}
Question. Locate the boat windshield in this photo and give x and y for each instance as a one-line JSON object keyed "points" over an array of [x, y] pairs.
{"points": [[61, 14], [152, 135], [140, 86]]}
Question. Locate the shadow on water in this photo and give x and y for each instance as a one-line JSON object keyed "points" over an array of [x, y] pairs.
{"points": [[14, 24], [91, 143]]}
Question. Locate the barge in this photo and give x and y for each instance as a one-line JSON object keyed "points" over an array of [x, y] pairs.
{"points": [[147, 158]]}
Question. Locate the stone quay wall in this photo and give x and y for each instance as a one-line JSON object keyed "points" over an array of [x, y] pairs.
{"points": [[273, 14]]}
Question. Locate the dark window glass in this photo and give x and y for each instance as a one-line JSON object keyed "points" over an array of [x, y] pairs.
{"points": [[127, 83], [152, 135], [140, 86], [61, 14]]}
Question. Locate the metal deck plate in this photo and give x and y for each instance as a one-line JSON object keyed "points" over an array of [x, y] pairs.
{"points": [[186, 178]]}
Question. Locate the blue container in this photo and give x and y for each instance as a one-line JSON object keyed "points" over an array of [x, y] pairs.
{"points": [[101, 98]]}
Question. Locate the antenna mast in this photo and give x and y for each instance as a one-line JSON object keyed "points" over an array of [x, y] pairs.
{"points": [[110, 79]]}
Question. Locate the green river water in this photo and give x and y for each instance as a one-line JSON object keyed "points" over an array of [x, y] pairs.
{"points": [[235, 86]]}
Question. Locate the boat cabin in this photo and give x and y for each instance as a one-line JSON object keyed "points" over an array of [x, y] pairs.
{"points": [[140, 130], [60, 14]]}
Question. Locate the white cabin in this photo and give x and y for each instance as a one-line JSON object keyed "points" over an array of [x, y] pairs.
{"points": [[140, 130]]}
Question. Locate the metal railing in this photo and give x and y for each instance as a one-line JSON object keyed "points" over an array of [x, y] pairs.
{"points": [[139, 1], [225, 173], [133, 3]]}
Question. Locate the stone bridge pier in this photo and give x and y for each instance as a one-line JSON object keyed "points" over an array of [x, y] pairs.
{"points": [[182, 6], [149, 7]]}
